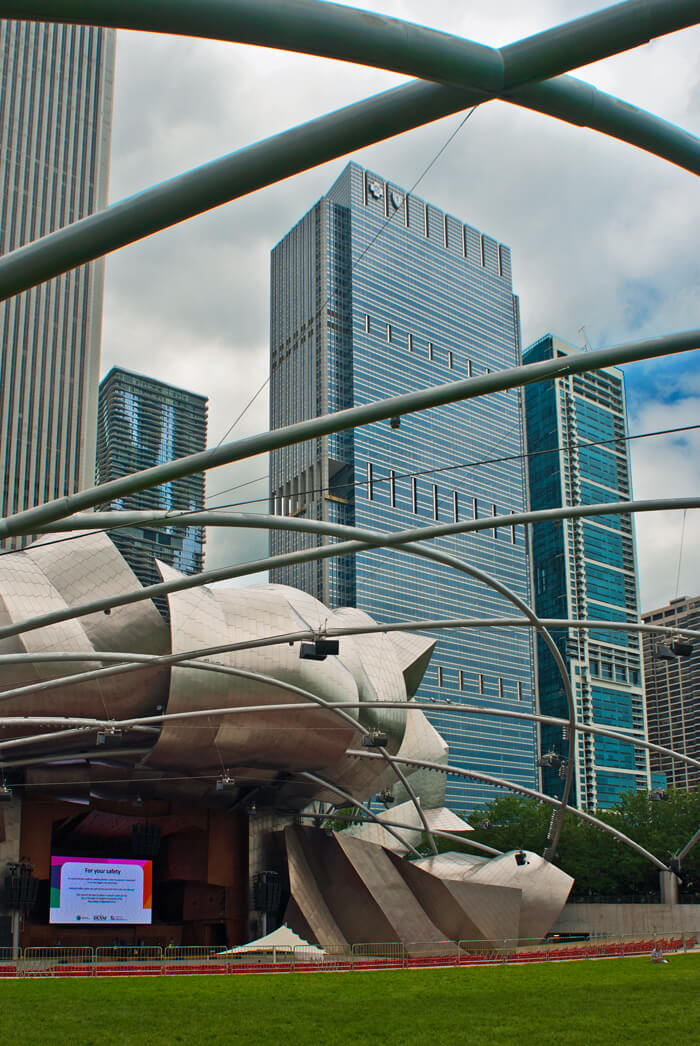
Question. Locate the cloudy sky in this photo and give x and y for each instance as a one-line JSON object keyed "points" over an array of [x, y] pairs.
{"points": [[603, 236]]}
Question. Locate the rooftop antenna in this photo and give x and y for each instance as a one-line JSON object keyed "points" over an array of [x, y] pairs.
{"points": [[582, 330]]}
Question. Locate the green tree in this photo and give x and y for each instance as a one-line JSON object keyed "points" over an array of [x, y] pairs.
{"points": [[600, 865]]}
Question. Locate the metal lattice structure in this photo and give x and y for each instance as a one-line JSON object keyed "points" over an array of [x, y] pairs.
{"points": [[453, 74]]}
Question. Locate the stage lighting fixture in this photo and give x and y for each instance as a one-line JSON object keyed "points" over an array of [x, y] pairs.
{"points": [[109, 736], [319, 650], [375, 739]]}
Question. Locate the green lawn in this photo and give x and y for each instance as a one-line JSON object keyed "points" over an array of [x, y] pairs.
{"points": [[608, 1001]]}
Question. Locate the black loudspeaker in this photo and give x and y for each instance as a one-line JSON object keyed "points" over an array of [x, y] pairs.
{"points": [[267, 892], [20, 892], [145, 840], [5, 932]]}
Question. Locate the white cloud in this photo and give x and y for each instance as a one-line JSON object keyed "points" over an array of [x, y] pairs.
{"points": [[667, 467]]}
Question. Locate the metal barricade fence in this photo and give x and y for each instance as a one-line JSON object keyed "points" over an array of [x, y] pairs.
{"points": [[196, 959], [261, 960], [133, 960], [383, 955], [190, 952], [123, 960], [431, 953], [8, 961], [57, 961]]}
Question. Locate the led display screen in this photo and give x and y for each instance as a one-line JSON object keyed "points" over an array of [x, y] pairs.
{"points": [[100, 890]]}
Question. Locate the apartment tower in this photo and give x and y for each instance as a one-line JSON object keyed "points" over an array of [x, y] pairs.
{"points": [[672, 686], [586, 569], [141, 423]]}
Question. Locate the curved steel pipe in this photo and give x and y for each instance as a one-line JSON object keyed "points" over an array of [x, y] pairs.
{"points": [[29, 520], [339, 32], [501, 782], [356, 802], [319, 141], [440, 557], [421, 706], [551, 645], [335, 31], [269, 522], [412, 796], [583, 624], [338, 816], [106, 521], [508, 594]]}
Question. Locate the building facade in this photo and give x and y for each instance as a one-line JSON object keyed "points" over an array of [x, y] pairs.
{"points": [[143, 422], [55, 130], [376, 293], [672, 687], [576, 430]]}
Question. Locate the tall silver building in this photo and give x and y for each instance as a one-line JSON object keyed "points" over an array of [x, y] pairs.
{"points": [[55, 128]]}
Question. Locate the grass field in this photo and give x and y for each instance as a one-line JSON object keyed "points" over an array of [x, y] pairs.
{"points": [[608, 1001]]}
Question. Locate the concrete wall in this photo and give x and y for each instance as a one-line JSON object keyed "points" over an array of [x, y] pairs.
{"points": [[622, 919]]}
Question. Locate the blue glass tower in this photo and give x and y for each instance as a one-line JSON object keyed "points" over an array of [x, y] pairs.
{"points": [[586, 569], [376, 293], [142, 422]]}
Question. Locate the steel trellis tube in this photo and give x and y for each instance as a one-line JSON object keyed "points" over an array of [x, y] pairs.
{"points": [[504, 590], [339, 32], [325, 138], [336, 31], [82, 723], [324, 782], [501, 782], [316, 702], [439, 557], [379, 540], [29, 520], [465, 840], [451, 561]]}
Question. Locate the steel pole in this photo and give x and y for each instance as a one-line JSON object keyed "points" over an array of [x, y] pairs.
{"points": [[29, 520]]}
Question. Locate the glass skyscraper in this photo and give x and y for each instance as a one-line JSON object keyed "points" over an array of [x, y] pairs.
{"points": [[143, 422], [55, 130], [586, 569], [376, 293]]}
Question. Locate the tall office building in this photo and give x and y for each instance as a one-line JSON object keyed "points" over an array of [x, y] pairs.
{"points": [[586, 569], [55, 129], [143, 422], [672, 687], [376, 293]]}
